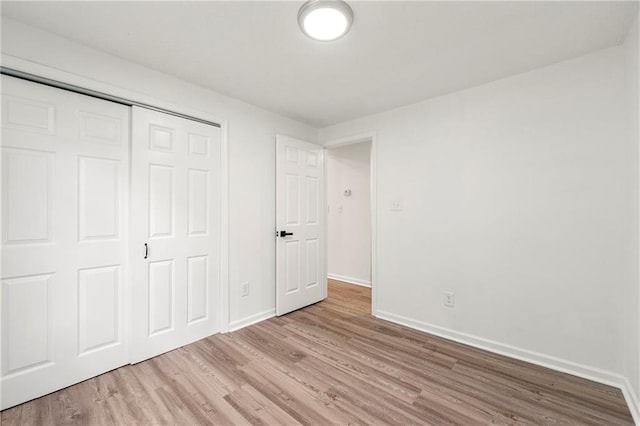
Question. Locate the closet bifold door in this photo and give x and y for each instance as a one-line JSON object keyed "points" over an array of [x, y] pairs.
{"points": [[175, 232], [64, 238]]}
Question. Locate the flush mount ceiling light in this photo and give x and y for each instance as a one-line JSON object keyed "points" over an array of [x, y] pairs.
{"points": [[325, 20]]}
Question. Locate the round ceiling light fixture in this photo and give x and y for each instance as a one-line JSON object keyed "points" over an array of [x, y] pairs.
{"points": [[325, 20]]}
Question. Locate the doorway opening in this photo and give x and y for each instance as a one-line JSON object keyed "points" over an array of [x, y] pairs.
{"points": [[350, 189]]}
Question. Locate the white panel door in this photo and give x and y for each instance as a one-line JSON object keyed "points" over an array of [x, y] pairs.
{"points": [[301, 277], [64, 238], [175, 232]]}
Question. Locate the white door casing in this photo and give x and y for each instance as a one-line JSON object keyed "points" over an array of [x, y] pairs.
{"points": [[301, 277], [175, 211], [64, 238]]}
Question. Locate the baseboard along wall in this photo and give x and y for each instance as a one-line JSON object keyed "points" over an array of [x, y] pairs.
{"points": [[349, 280], [253, 319]]}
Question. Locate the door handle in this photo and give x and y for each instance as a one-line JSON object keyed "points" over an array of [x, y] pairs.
{"points": [[283, 234], [146, 250]]}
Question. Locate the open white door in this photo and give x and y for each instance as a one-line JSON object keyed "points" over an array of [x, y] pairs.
{"points": [[175, 232], [301, 277]]}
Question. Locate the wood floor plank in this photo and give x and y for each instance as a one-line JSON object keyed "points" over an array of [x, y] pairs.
{"points": [[308, 408], [330, 363], [369, 376], [256, 409]]}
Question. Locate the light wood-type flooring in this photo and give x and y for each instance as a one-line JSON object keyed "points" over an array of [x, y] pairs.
{"points": [[330, 363]]}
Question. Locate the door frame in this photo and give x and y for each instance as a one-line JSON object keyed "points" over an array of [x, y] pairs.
{"points": [[372, 137], [79, 81]]}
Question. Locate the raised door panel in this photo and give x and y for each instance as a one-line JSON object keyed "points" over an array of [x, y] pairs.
{"points": [[161, 201], [312, 197], [98, 203], [197, 280], [292, 155], [198, 218], [292, 200], [98, 308], [312, 260], [292, 249], [28, 115], [161, 138], [28, 329], [27, 201], [161, 296], [100, 128], [199, 145], [311, 159]]}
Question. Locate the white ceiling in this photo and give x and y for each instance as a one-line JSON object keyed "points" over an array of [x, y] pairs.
{"points": [[396, 53]]}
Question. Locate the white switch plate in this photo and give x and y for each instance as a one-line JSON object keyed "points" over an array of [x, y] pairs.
{"points": [[244, 289], [449, 299], [396, 205]]}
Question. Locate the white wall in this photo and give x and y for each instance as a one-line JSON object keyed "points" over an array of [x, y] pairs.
{"points": [[516, 197], [349, 219], [251, 139], [632, 297]]}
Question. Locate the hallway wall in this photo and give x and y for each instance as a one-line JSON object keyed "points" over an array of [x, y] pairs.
{"points": [[349, 217]]}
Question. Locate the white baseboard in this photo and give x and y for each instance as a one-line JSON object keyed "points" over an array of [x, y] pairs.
{"points": [[245, 322], [558, 364], [350, 280], [632, 400]]}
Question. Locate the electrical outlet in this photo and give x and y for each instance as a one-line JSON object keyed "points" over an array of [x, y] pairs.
{"points": [[396, 205], [449, 299], [244, 289]]}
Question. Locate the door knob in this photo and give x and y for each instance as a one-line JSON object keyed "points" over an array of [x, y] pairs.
{"points": [[283, 234]]}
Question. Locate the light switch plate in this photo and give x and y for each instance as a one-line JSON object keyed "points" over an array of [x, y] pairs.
{"points": [[449, 299], [396, 205], [244, 289]]}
